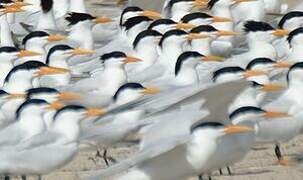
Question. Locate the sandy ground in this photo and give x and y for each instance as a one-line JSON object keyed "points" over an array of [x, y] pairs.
{"points": [[259, 164]]}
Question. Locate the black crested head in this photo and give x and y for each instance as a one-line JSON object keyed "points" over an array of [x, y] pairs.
{"points": [[46, 5], [75, 108], [203, 28], [74, 17], [114, 54], [40, 90], [257, 61], [288, 16], [6, 1], [196, 15], [215, 125], [144, 34], [294, 33], [129, 9], [174, 32], [34, 34], [161, 22], [244, 110], [298, 65], [225, 70], [127, 86], [61, 47], [8, 49], [27, 66], [183, 57], [255, 26], [131, 22], [27, 103], [211, 3], [3, 93]]}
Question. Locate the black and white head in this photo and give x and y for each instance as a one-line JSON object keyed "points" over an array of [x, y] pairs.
{"points": [[262, 63], [172, 7], [37, 38], [62, 52], [215, 130], [147, 38], [200, 18], [117, 58], [32, 107], [295, 37], [162, 25], [203, 32], [132, 91], [85, 20], [4, 96], [295, 74], [232, 73], [249, 115], [190, 59], [262, 31], [177, 37], [133, 11], [135, 25], [46, 5], [31, 69], [291, 20], [51, 94], [9, 53]]}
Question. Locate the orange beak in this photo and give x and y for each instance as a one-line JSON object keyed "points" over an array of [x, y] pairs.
{"points": [[131, 59], [226, 33], [81, 52], [213, 58], [94, 112], [16, 96], [56, 37], [252, 73], [103, 20], [283, 64], [65, 96], [280, 32], [236, 129], [12, 9], [150, 90], [26, 53], [221, 19], [275, 114], [193, 36], [184, 26], [51, 71], [151, 14], [273, 87], [55, 106]]}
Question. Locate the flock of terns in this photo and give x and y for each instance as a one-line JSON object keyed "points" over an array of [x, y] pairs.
{"points": [[194, 87]]}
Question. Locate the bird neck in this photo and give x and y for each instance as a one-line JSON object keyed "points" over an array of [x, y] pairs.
{"points": [[223, 11], [6, 35], [148, 53], [6, 66], [201, 46], [247, 98], [60, 8], [168, 58], [58, 61], [47, 21], [69, 128], [77, 6], [18, 83], [296, 51], [178, 13], [262, 49], [187, 76], [32, 123], [113, 82], [82, 35]]}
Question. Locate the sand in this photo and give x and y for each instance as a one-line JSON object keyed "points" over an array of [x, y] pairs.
{"points": [[259, 164]]}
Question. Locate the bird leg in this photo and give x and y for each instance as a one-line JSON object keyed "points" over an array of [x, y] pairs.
{"points": [[23, 177], [220, 171], [6, 178], [200, 177], [229, 170], [281, 159]]}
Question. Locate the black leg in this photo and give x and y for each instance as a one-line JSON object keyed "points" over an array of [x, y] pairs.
{"points": [[220, 171], [229, 170], [105, 157], [278, 152], [209, 178], [6, 178], [39, 177], [23, 177], [200, 177]]}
